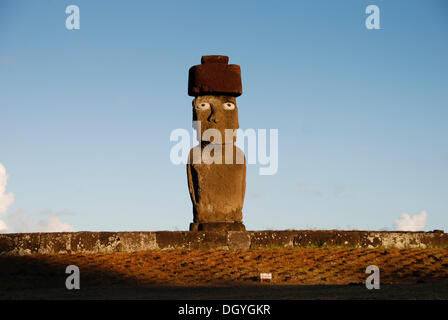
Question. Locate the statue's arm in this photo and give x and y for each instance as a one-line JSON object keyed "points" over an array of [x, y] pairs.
{"points": [[244, 181], [190, 179]]}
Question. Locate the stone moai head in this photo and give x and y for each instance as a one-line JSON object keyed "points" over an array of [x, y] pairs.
{"points": [[215, 84], [216, 189]]}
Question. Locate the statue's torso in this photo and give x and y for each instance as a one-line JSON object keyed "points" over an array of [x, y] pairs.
{"points": [[217, 190]]}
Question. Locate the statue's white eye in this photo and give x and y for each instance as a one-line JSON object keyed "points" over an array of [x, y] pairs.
{"points": [[229, 106], [203, 105]]}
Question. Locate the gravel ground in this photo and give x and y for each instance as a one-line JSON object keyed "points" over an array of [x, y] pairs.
{"points": [[304, 273]]}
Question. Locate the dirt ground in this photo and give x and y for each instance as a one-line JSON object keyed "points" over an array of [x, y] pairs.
{"points": [[305, 273]]}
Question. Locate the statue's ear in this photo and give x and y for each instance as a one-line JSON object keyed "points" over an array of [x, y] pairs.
{"points": [[195, 115], [237, 124]]}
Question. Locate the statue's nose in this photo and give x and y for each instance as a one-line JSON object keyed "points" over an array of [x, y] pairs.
{"points": [[212, 117]]}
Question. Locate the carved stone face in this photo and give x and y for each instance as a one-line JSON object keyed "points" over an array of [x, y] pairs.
{"points": [[216, 112]]}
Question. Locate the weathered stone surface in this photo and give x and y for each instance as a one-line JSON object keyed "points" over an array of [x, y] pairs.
{"points": [[108, 242], [238, 240], [217, 191], [207, 240], [321, 238], [171, 240], [405, 239], [58, 242], [218, 226], [136, 241], [215, 76], [212, 113], [216, 169], [272, 239], [371, 239], [90, 242], [191, 240], [19, 244]]}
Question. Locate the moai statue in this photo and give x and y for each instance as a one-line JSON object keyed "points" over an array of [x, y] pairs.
{"points": [[216, 168]]}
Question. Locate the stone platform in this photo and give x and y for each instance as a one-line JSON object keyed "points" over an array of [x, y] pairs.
{"points": [[108, 242]]}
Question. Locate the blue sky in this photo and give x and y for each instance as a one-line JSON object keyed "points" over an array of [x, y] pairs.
{"points": [[86, 115]]}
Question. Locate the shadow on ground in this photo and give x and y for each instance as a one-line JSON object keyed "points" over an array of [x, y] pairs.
{"points": [[297, 274], [250, 292]]}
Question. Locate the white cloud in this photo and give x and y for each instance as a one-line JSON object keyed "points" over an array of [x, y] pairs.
{"points": [[411, 223], [6, 199], [54, 224], [3, 227], [17, 222]]}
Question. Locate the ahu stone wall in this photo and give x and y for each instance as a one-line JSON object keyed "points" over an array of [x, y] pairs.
{"points": [[109, 242]]}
